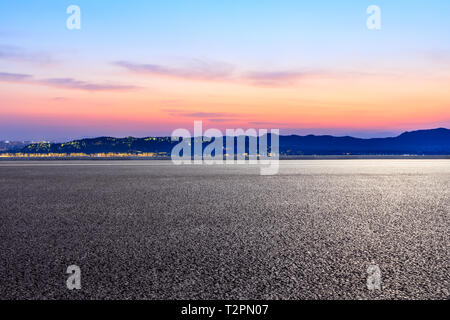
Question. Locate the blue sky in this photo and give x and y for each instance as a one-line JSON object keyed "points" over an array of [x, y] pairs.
{"points": [[247, 32]]}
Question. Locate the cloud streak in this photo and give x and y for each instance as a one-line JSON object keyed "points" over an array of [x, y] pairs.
{"points": [[215, 71], [222, 120], [63, 83], [69, 83], [14, 77], [277, 78], [17, 54], [268, 123], [208, 114], [197, 70], [217, 117]]}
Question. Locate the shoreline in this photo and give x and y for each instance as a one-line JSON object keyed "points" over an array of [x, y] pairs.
{"points": [[304, 157]]}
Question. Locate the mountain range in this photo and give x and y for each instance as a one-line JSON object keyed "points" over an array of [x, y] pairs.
{"points": [[420, 142]]}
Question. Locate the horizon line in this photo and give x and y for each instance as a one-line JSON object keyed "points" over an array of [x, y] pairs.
{"points": [[168, 136]]}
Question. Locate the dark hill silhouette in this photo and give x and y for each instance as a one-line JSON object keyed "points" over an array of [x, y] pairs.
{"points": [[421, 142], [432, 142]]}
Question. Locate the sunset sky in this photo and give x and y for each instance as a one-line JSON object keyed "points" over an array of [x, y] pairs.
{"points": [[145, 68]]}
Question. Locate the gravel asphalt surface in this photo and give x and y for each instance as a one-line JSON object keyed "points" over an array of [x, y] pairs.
{"points": [[151, 230]]}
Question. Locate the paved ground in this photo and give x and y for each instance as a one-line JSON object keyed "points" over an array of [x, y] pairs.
{"points": [[148, 230]]}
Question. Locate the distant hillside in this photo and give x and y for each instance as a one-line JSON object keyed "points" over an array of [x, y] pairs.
{"points": [[105, 145], [422, 142], [428, 142], [12, 146]]}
